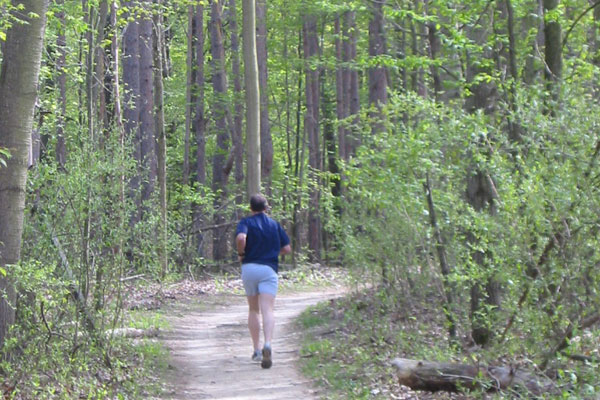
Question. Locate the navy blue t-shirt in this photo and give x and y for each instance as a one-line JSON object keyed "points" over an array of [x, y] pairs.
{"points": [[264, 239]]}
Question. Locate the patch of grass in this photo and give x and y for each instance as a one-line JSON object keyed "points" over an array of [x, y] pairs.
{"points": [[153, 359], [142, 319], [315, 316]]}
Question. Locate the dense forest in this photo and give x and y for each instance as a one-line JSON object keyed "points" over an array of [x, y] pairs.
{"points": [[443, 151]]}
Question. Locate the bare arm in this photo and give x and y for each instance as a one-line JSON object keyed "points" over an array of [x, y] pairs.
{"points": [[287, 249], [240, 244]]}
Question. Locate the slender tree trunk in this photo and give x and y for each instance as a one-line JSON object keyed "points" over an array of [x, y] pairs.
{"points": [[148, 161], [266, 142], [311, 125], [238, 104], [61, 43], [219, 80], [444, 266], [120, 217], [118, 116], [199, 118], [298, 161], [188, 94], [330, 153], [377, 75], [514, 127], [251, 78], [353, 140], [414, 75], [90, 78], [552, 50], [21, 55], [131, 98], [434, 49], [341, 89], [100, 95], [161, 139], [553, 43], [595, 45]]}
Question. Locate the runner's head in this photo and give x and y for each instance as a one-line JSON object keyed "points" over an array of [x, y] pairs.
{"points": [[258, 203]]}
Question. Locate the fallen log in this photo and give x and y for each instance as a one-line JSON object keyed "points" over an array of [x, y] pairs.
{"points": [[454, 377]]}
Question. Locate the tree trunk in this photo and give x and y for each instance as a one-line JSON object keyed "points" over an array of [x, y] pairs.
{"points": [[311, 125], [266, 142], [238, 104], [353, 139], [100, 94], [118, 119], [131, 98], [514, 127], [199, 124], [377, 75], [61, 43], [553, 43], [434, 49], [298, 162], [199, 120], [253, 151], [219, 80], [189, 87], [148, 162], [444, 266], [21, 55], [341, 89], [161, 139]]}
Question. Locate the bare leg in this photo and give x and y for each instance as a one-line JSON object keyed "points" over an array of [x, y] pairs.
{"points": [[254, 321], [267, 305]]}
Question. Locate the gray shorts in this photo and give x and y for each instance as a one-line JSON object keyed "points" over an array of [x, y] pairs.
{"points": [[259, 278]]}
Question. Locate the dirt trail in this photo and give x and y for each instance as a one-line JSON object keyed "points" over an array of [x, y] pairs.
{"points": [[211, 351]]}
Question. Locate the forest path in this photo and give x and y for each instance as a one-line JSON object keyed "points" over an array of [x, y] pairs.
{"points": [[210, 351]]}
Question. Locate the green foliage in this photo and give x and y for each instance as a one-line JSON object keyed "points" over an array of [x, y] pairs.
{"points": [[4, 156], [546, 191]]}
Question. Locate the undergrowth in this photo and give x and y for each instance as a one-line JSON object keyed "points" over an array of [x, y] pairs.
{"points": [[349, 344]]}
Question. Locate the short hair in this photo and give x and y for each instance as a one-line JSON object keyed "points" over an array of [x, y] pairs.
{"points": [[258, 202]]}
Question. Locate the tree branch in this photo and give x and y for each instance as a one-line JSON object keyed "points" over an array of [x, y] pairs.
{"points": [[587, 10]]}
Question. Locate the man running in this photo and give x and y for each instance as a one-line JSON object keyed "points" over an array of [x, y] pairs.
{"points": [[259, 241]]}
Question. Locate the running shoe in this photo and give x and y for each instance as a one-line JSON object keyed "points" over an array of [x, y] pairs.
{"points": [[257, 355], [266, 357]]}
